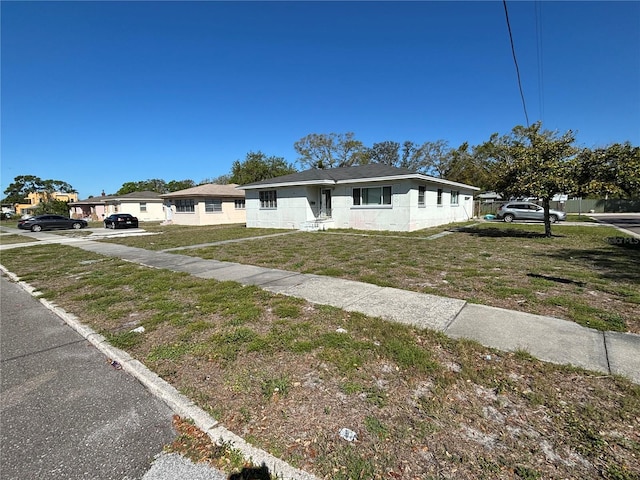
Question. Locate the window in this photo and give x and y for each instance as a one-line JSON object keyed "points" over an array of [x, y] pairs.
{"points": [[213, 205], [439, 196], [240, 205], [268, 199], [421, 194], [184, 205], [372, 196], [454, 197], [143, 206]]}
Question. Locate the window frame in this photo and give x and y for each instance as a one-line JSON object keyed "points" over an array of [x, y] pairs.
{"points": [[184, 205], [455, 197], [422, 195], [240, 204], [439, 197], [268, 199], [359, 197], [212, 205]]}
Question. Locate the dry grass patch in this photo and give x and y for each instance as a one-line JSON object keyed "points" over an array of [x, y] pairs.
{"points": [[174, 236], [288, 376]]}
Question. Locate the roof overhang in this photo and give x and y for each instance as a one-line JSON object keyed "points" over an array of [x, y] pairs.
{"points": [[262, 186], [329, 182]]}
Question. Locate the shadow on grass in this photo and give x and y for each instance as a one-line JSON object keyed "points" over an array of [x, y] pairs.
{"points": [[502, 232], [622, 263], [556, 279], [252, 473]]}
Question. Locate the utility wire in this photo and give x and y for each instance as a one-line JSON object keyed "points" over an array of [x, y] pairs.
{"points": [[515, 61]]}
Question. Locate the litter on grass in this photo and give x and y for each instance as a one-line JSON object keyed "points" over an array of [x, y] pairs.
{"points": [[348, 435]]}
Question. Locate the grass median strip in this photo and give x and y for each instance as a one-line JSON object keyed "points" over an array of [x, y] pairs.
{"points": [[288, 376]]}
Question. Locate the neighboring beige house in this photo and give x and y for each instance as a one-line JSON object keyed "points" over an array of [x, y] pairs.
{"points": [[147, 206], [364, 197], [208, 204]]}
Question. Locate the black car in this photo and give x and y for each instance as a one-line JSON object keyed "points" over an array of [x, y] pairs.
{"points": [[50, 222], [121, 220]]}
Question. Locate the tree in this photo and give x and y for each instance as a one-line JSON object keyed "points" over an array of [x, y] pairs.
{"points": [[257, 166], [330, 150], [610, 171], [387, 153], [152, 185], [469, 166], [535, 163], [220, 180], [436, 158], [175, 185], [23, 185], [56, 207], [430, 158]]}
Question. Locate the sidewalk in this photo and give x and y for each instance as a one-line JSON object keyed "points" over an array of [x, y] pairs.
{"points": [[547, 338]]}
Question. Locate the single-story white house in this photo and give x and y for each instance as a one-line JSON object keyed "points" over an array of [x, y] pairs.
{"points": [[363, 197], [147, 206], [208, 204]]}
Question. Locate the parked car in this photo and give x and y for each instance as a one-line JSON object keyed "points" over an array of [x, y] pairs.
{"points": [[121, 220], [50, 222], [511, 211]]}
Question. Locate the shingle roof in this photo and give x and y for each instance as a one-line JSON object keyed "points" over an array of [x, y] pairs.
{"points": [[331, 176], [207, 190], [145, 195]]}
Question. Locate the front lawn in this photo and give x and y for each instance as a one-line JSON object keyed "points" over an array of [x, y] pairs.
{"points": [[288, 375], [578, 274]]}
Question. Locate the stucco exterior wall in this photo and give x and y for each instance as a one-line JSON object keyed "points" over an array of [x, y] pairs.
{"points": [[299, 205], [229, 214], [293, 209], [154, 210]]}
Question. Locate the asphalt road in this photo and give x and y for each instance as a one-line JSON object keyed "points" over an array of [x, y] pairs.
{"points": [[626, 221], [66, 413]]}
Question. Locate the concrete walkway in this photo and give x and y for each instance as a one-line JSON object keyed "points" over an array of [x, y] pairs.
{"points": [[547, 338]]}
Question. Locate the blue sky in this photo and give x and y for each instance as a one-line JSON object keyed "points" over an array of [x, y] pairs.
{"points": [[102, 93]]}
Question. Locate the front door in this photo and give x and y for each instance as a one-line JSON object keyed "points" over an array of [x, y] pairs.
{"points": [[325, 202]]}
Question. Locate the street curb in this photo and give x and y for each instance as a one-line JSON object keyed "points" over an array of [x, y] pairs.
{"points": [[177, 402]]}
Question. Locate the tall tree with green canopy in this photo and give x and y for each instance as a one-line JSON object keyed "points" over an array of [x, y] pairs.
{"points": [[152, 185], [533, 162], [470, 166], [257, 166], [387, 153], [23, 185], [330, 150], [610, 171]]}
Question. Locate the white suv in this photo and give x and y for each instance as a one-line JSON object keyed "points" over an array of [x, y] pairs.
{"points": [[527, 211]]}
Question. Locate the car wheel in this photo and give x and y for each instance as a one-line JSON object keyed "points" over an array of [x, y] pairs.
{"points": [[508, 218], [553, 218], [77, 226], [36, 228]]}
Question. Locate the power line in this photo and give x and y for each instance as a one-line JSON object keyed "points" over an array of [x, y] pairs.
{"points": [[515, 61]]}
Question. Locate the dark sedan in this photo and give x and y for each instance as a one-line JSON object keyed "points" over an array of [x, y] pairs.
{"points": [[51, 222], [121, 220]]}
